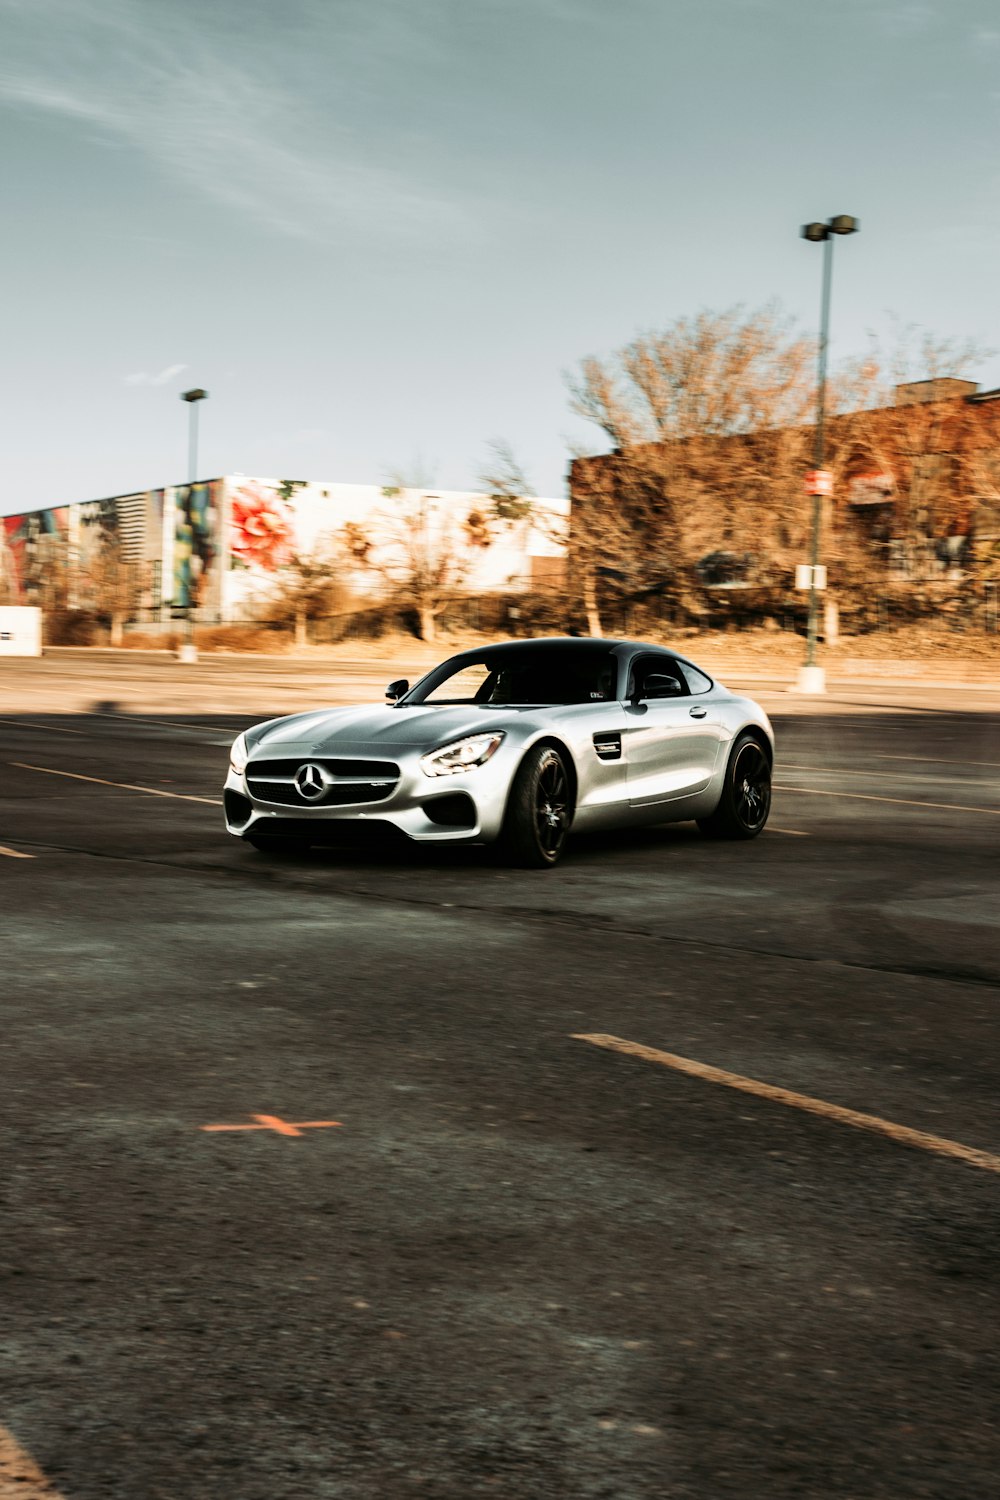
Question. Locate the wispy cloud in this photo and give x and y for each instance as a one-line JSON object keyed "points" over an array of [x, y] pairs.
{"points": [[907, 17], [163, 378], [212, 112]]}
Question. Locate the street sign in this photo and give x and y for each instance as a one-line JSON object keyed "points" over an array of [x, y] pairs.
{"points": [[807, 577], [819, 482]]}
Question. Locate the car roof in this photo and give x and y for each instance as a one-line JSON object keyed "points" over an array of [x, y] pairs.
{"points": [[563, 643]]}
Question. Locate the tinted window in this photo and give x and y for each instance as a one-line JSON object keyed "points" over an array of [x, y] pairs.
{"points": [[520, 677], [655, 677]]}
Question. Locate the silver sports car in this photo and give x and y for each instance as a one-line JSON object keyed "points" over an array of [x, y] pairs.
{"points": [[513, 744]]}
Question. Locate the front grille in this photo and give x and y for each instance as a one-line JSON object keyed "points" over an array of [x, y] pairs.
{"points": [[350, 781], [286, 794], [369, 770]]}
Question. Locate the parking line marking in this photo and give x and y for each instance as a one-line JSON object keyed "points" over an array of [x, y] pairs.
{"points": [[874, 1123], [168, 723], [20, 1476], [125, 786], [787, 765], [48, 728], [14, 853], [128, 718], [797, 833], [935, 760], [813, 791]]}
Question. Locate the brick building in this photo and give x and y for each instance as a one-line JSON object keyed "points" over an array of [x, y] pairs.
{"points": [[916, 502]]}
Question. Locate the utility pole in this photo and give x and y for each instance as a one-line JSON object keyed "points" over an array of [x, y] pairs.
{"points": [[189, 651], [819, 483]]}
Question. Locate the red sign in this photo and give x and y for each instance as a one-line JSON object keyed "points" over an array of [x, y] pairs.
{"points": [[871, 489], [819, 482]]}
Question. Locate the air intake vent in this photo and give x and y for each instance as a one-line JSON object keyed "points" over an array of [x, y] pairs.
{"points": [[608, 746]]}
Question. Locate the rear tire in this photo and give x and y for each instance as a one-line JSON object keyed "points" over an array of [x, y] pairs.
{"points": [[746, 794], [538, 810], [270, 845]]}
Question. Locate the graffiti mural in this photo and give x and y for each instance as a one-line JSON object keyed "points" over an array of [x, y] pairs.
{"points": [[228, 548], [196, 546], [262, 528], [34, 554]]}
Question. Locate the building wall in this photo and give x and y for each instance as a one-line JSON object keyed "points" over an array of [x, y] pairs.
{"points": [[33, 547], [223, 547], [268, 523], [907, 481]]}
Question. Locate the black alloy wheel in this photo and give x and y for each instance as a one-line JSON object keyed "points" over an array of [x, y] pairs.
{"points": [[539, 811], [551, 806], [746, 794]]}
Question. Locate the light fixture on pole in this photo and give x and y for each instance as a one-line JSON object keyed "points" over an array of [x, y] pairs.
{"points": [[189, 651], [812, 679]]}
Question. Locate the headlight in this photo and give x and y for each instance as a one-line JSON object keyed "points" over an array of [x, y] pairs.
{"points": [[239, 754], [460, 755]]}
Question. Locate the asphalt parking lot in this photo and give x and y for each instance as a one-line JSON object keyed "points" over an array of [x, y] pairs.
{"points": [[317, 1186]]}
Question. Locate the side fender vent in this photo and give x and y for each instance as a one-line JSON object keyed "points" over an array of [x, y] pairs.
{"points": [[608, 746]]}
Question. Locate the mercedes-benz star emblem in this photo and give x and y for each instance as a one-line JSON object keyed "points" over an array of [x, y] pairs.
{"points": [[310, 781]]}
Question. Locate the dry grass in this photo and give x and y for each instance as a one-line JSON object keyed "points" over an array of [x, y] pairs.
{"points": [[933, 641]]}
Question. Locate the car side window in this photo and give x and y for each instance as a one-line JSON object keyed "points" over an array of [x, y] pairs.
{"points": [[697, 681], [466, 686], [652, 678]]}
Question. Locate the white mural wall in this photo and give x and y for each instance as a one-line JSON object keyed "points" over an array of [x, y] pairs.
{"points": [[370, 536]]}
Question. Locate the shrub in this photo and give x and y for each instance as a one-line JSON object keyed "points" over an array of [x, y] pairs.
{"points": [[72, 627]]}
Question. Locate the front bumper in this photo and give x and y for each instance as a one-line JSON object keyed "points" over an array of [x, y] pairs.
{"points": [[461, 808]]}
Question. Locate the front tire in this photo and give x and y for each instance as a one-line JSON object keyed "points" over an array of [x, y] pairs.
{"points": [[538, 810], [746, 793]]}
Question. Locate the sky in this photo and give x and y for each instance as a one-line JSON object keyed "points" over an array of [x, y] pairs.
{"points": [[381, 233]]}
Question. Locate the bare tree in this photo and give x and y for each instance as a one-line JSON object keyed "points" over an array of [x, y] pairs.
{"points": [[706, 420], [421, 553], [306, 588], [504, 480], [111, 586], [711, 424]]}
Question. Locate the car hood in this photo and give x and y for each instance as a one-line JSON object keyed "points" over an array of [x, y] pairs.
{"points": [[374, 730]]}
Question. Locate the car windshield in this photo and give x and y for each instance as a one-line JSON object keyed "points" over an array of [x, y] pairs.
{"points": [[520, 677]]}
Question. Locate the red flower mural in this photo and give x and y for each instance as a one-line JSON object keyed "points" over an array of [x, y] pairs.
{"points": [[262, 528]]}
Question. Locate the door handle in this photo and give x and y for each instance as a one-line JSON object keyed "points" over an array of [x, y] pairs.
{"points": [[698, 713]]}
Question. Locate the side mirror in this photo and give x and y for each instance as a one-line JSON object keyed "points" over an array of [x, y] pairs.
{"points": [[660, 685], [396, 689]]}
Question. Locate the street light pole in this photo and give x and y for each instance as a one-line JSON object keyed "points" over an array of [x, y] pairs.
{"points": [[189, 651], [812, 679]]}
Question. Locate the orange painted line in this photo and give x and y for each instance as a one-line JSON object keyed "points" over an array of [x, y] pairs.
{"points": [[125, 786], [900, 1133], [20, 1476], [279, 1126], [14, 853]]}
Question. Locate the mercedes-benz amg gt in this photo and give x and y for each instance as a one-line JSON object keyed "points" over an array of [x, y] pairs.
{"points": [[515, 744]]}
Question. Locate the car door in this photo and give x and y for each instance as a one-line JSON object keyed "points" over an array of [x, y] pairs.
{"points": [[673, 737]]}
